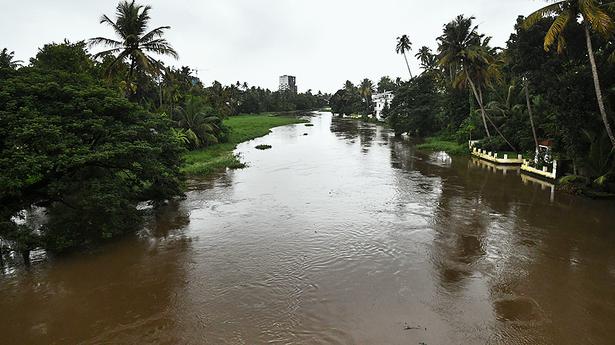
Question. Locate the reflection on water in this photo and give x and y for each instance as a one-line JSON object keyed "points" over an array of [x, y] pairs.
{"points": [[344, 236]]}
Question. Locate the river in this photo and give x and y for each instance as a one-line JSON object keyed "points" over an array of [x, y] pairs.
{"points": [[345, 235]]}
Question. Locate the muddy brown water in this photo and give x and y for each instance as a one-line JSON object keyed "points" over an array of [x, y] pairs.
{"points": [[342, 236]]}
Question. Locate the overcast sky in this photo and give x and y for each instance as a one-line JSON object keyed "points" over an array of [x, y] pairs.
{"points": [[322, 42]]}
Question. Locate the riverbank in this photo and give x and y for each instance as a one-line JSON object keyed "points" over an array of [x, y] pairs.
{"points": [[443, 144], [220, 156]]}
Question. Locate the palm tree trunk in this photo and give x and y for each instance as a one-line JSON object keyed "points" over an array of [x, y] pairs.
{"points": [[529, 110], [129, 78], [592, 60], [480, 103], [160, 91], [408, 65]]}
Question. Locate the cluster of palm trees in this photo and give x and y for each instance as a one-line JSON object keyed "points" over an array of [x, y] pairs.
{"points": [[596, 16], [468, 61], [136, 46]]}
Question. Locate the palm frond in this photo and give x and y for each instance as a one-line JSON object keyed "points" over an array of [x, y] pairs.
{"points": [[104, 41], [157, 32], [599, 20], [106, 52], [106, 20], [160, 46], [143, 18], [557, 28], [121, 57], [547, 11]]}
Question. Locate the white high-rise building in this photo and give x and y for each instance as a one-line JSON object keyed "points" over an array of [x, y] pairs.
{"points": [[288, 82]]}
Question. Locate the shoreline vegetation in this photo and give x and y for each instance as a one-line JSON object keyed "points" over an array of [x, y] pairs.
{"points": [[245, 127], [443, 144], [91, 129]]}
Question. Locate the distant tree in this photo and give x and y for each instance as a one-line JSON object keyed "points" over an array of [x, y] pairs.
{"points": [[386, 84], [7, 59], [134, 42], [594, 18], [346, 101], [404, 45], [428, 60], [414, 107], [349, 86], [365, 90]]}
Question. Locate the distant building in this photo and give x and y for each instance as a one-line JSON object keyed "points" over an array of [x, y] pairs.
{"points": [[288, 82], [381, 100]]}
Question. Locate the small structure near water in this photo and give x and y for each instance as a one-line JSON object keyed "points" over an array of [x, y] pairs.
{"points": [[495, 158], [545, 172], [543, 166]]}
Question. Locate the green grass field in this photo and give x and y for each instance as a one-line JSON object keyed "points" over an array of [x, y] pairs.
{"points": [[243, 128]]}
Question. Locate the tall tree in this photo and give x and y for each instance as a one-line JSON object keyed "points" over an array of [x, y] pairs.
{"points": [[462, 49], [135, 42], [404, 45], [365, 90], [594, 18], [526, 90]]}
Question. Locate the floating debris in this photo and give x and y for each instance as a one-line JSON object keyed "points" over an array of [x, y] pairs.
{"points": [[263, 147]]}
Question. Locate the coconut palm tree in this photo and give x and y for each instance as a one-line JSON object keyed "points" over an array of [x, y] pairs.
{"points": [[471, 61], [462, 51], [526, 85], [595, 18], [135, 42], [404, 45], [427, 58], [349, 86], [202, 127], [365, 90], [7, 59]]}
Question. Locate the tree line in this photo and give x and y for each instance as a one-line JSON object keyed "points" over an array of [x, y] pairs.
{"points": [[86, 138], [553, 81]]}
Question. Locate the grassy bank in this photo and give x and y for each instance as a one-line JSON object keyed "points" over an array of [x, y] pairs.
{"points": [[442, 144], [243, 128]]}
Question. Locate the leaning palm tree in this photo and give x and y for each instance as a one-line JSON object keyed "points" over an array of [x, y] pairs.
{"points": [[466, 53], [594, 18], [526, 91], [404, 45], [461, 51], [135, 42]]}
